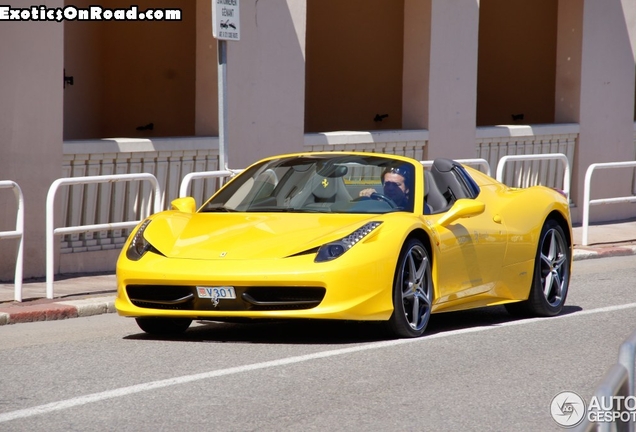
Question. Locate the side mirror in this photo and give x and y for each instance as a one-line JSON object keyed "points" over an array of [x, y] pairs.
{"points": [[185, 205], [463, 208]]}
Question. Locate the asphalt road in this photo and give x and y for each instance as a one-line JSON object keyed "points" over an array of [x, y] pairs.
{"points": [[475, 370]]}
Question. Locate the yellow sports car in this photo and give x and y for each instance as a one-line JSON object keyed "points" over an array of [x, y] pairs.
{"points": [[348, 236]]}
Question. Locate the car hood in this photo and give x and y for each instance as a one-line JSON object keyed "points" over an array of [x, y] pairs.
{"points": [[242, 236]]}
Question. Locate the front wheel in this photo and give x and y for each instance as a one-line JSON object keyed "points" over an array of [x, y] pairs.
{"points": [[163, 326], [412, 291], [551, 276]]}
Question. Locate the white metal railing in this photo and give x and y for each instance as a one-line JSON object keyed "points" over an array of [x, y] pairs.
{"points": [[495, 142], [586, 193], [170, 159], [537, 157], [618, 382], [50, 211], [187, 179], [634, 171], [478, 162], [17, 233], [627, 358]]}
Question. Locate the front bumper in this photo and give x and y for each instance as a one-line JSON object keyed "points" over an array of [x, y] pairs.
{"points": [[295, 287]]}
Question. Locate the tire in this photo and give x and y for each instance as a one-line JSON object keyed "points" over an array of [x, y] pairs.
{"points": [[412, 291], [551, 276], [163, 326]]}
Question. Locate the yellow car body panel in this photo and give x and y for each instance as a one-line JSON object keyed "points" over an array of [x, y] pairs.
{"points": [[357, 282], [482, 249], [498, 246]]}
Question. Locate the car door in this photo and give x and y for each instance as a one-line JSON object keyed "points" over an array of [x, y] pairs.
{"points": [[470, 256], [470, 242]]}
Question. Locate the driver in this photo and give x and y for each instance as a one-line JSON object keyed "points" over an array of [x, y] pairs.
{"points": [[396, 182]]}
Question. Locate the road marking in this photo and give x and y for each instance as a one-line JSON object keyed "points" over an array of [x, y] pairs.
{"points": [[125, 391]]}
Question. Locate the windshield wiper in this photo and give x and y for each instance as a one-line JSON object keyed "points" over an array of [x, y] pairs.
{"points": [[217, 208], [285, 210], [269, 209]]}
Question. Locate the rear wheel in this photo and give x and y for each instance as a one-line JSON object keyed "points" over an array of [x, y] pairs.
{"points": [[163, 326], [551, 276], [412, 291]]}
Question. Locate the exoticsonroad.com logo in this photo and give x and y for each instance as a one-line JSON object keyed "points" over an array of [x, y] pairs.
{"points": [[91, 13]]}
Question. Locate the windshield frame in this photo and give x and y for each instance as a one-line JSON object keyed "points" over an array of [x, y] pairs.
{"points": [[317, 183]]}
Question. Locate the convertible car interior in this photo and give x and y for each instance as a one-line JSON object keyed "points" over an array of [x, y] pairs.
{"points": [[336, 188], [445, 183]]}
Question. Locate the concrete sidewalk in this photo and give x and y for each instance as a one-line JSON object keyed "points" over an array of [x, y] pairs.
{"points": [[611, 239], [75, 296], [82, 295]]}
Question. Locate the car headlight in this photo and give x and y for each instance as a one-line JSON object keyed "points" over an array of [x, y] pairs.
{"points": [[138, 245], [333, 250]]}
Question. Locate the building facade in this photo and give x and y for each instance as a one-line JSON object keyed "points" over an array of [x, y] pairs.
{"points": [[451, 78]]}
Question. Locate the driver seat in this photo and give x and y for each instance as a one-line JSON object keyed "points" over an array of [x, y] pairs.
{"points": [[322, 191], [434, 200]]}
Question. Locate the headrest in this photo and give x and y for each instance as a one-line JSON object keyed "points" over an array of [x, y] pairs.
{"points": [[443, 164], [324, 187]]}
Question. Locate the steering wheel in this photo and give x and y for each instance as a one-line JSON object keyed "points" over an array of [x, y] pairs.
{"points": [[378, 197]]}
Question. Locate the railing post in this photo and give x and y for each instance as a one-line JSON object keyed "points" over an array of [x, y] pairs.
{"points": [[50, 214], [618, 381], [187, 179], [19, 227], [614, 383], [50, 249], [586, 203], [627, 358], [17, 233]]}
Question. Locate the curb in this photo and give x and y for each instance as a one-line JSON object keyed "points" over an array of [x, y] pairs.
{"points": [[14, 313], [23, 313], [584, 253]]}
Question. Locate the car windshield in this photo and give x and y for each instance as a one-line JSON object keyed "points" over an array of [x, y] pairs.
{"points": [[324, 183]]}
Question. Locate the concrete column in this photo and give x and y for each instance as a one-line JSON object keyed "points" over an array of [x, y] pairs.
{"points": [[568, 62], [31, 123], [266, 81], [415, 75], [452, 101], [595, 87]]}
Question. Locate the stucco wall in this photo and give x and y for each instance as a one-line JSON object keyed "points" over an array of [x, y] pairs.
{"points": [[606, 102], [30, 130], [130, 74], [453, 78], [354, 64], [517, 54], [266, 81]]}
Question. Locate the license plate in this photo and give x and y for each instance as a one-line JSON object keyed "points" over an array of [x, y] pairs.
{"points": [[216, 293]]}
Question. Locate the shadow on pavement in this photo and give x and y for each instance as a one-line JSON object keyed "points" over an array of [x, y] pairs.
{"points": [[319, 332]]}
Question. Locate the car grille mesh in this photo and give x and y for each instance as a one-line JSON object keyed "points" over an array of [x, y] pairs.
{"points": [[254, 298]]}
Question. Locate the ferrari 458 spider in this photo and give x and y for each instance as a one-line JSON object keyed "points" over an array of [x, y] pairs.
{"points": [[348, 236]]}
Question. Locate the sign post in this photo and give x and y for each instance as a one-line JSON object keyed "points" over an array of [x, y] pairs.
{"points": [[225, 27]]}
